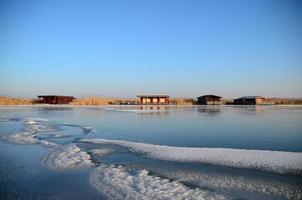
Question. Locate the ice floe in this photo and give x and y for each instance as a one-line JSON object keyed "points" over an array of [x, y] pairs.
{"points": [[29, 135], [118, 182], [272, 161], [21, 138], [30, 122], [36, 119], [27, 138], [35, 130], [49, 144], [34, 125], [27, 119], [40, 128], [67, 157]]}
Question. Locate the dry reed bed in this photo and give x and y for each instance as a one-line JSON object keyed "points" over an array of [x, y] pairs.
{"points": [[15, 101]]}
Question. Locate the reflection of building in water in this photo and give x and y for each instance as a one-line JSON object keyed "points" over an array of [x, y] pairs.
{"points": [[259, 108], [250, 109], [153, 99], [209, 110], [249, 100], [154, 110], [160, 108], [209, 100]]}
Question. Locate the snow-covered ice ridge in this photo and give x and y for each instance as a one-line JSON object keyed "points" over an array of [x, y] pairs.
{"points": [[21, 138], [59, 157], [37, 126], [27, 138], [29, 133], [67, 157], [272, 161], [227, 182], [118, 182]]}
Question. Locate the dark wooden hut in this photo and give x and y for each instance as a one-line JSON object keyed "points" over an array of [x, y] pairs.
{"points": [[249, 100], [209, 100], [54, 99]]}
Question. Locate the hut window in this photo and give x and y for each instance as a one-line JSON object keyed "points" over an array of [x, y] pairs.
{"points": [[162, 100]]}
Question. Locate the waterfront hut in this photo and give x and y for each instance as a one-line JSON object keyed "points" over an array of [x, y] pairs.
{"points": [[153, 99], [209, 100], [54, 99], [249, 100]]}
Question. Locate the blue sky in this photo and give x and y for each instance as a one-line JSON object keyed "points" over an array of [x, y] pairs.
{"points": [[122, 48]]}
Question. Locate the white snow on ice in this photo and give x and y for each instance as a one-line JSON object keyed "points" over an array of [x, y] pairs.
{"points": [[67, 157], [26, 120], [36, 119], [273, 161], [122, 183], [40, 128], [30, 122], [27, 138], [49, 144], [103, 151], [21, 138], [222, 181], [30, 131]]}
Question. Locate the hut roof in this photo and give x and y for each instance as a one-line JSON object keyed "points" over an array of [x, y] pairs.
{"points": [[210, 95], [251, 97], [41, 96], [153, 95]]}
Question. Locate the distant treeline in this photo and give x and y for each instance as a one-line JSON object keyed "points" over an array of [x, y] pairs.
{"points": [[120, 101]]}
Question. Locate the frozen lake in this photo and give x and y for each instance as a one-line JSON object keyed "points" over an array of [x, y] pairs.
{"points": [[166, 152]]}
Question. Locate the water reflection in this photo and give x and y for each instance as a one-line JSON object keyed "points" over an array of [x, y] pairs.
{"points": [[151, 110], [160, 108], [250, 109], [211, 110]]}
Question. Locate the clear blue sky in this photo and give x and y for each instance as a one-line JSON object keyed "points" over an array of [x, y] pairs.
{"points": [[121, 48]]}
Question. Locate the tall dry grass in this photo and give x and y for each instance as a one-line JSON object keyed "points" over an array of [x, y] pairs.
{"points": [[182, 101], [15, 101], [99, 101], [284, 101]]}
